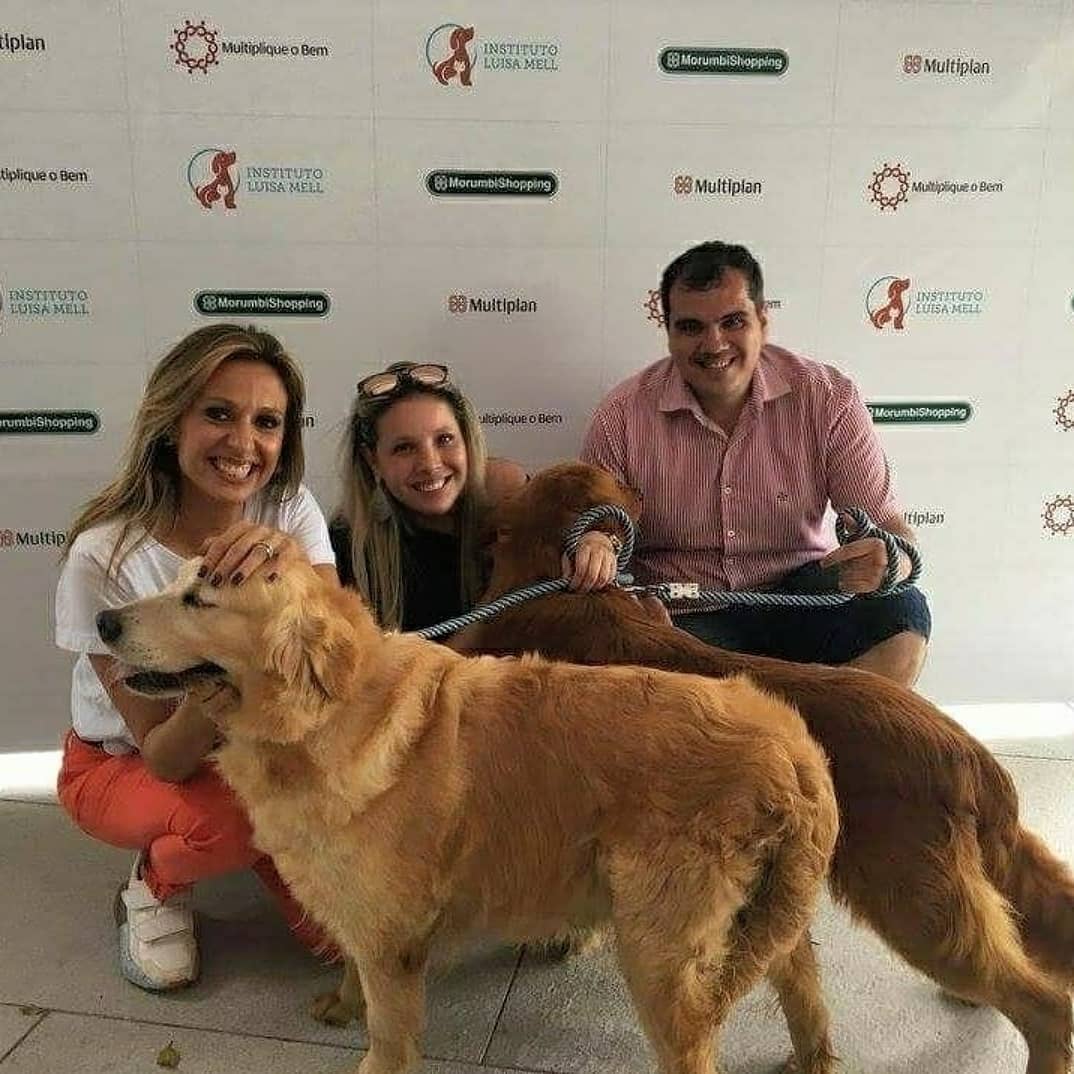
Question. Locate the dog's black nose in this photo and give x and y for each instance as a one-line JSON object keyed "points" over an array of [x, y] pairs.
{"points": [[109, 625]]}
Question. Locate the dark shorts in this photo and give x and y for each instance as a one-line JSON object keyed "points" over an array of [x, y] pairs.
{"points": [[821, 635]]}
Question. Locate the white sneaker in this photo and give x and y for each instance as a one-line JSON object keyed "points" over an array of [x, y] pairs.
{"points": [[157, 949]]}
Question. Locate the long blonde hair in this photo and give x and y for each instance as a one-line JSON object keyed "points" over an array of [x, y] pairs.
{"points": [[376, 534], [145, 494]]}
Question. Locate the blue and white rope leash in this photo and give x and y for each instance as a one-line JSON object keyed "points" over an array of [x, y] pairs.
{"points": [[678, 591]]}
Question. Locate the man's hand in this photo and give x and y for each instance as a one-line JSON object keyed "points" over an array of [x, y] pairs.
{"points": [[595, 563], [861, 564]]}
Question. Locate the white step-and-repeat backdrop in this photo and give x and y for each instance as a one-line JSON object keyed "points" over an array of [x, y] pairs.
{"points": [[497, 185]]}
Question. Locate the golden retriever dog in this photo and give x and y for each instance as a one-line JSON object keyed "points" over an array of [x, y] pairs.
{"points": [[930, 855], [409, 795]]}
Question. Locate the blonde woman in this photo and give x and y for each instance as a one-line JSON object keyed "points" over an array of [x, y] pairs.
{"points": [[213, 466], [417, 487]]}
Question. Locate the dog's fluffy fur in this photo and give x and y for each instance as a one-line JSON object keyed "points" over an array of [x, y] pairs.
{"points": [[408, 794], [931, 854]]}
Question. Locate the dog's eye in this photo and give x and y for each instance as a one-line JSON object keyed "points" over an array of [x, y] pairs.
{"points": [[192, 600]]}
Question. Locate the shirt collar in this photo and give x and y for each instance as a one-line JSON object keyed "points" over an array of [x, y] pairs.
{"points": [[767, 384]]}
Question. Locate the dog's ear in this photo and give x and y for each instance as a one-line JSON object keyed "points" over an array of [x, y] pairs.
{"points": [[312, 650]]}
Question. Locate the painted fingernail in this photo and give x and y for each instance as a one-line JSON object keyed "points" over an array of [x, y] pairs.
{"points": [[236, 578], [203, 571], [216, 579]]}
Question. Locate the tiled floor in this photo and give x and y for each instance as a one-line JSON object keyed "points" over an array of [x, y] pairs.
{"points": [[64, 1009]]}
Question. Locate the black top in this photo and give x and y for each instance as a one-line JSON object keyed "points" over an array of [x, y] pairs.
{"points": [[432, 585]]}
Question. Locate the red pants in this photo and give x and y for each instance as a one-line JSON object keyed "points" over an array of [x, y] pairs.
{"points": [[189, 830]]}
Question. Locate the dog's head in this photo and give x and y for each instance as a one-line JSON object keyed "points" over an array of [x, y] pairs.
{"points": [[531, 523], [290, 647]]}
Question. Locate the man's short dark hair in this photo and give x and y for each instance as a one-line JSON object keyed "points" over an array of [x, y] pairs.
{"points": [[703, 266]]}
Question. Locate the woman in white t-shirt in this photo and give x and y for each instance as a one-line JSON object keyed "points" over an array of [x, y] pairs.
{"points": [[213, 467]]}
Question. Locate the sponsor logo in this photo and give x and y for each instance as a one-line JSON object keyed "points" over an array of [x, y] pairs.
{"points": [[520, 417], [699, 60], [892, 186], [12, 44], [1064, 411], [457, 63], [48, 422], [197, 46], [722, 185], [891, 299], [15, 539], [458, 303], [1058, 515], [653, 311], [455, 53], [923, 516], [45, 302], [449, 183], [262, 303], [55, 176], [947, 412], [913, 63], [214, 177]]}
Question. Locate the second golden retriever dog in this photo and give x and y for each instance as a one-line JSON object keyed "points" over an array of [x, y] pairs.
{"points": [[410, 795], [931, 853]]}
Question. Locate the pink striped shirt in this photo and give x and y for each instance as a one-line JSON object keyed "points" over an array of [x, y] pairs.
{"points": [[740, 511]]}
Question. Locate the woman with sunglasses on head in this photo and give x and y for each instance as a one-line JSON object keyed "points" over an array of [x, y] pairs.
{"points": [[417, 488], [213, 467]]}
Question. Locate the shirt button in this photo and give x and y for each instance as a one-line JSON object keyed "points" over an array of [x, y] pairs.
{"points": [[727, 488], [730, 533]]}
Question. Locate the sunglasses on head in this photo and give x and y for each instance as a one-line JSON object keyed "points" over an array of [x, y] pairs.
{"points": [[379, 385]]}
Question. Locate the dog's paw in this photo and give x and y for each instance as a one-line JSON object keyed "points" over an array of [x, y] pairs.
{"points": [[332, 1009]]}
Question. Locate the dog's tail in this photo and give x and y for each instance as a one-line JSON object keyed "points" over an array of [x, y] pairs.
{"points": [[1040, 888]]}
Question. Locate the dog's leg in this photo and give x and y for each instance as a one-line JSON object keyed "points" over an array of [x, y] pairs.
{"points": [[674, 991], [394, 988], [673, 947], [347, 1002], [939, 910], [796, 979]]}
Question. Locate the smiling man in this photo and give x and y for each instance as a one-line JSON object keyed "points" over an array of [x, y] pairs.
{"points": [[738, 448]]}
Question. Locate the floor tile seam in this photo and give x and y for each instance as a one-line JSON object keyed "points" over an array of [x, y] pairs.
{"points": [[104, 1017], [191, 1027], [503, 1006], [45, 1012]]}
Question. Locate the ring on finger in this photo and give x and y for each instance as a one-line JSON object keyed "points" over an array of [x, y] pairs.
{"points": [[270, 552]]}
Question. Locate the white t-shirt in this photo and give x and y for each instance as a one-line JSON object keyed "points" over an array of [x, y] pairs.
{"points": [[85, 588]]}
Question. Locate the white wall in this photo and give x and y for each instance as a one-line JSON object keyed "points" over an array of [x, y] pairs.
{"points": [[119, 129]]}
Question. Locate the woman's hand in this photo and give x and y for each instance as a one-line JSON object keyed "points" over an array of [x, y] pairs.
{"points": [[595, 563], [245, 548]]}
